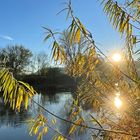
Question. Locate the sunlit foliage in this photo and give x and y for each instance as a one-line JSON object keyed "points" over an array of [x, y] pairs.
{"points": [[98, 78], [15, 93], [98, 82], [37, 124]]}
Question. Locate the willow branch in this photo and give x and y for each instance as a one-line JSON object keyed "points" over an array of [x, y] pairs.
{"points": [[68, 138], [81, 125], [92, 42]]}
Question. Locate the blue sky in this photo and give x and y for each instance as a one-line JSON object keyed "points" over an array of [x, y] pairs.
{"points": [[21, 21]]}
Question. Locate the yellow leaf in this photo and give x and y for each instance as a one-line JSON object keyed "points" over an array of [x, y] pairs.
{"points": [[74, 127], [36, 129], [39, 136], [26, 101], [45, 130], [82, 26], [53, 121], [77, 35], [97, 61], [60, 138]]}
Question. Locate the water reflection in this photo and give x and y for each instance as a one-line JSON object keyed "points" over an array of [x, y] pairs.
{"points": [[11, 122], [11, 118]]}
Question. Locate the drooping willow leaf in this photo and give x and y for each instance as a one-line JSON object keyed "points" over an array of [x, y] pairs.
{"points": [[15, 93], [38, 126]]}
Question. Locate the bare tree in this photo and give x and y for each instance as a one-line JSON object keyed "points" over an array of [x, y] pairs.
{"points": [[40, 63]]}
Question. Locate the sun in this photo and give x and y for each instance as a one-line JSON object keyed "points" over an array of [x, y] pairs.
{"points": [[116, 57]]}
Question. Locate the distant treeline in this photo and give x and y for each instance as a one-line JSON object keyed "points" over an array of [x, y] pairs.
{"points": [[54, 80]]}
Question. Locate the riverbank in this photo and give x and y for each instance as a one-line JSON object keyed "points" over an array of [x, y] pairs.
{"points": [[50, 83]]}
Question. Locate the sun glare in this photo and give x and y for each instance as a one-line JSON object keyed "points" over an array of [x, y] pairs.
{"points": [[116, 57], [117, 101]]}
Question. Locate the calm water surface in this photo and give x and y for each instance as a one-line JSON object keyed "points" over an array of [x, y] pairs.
{"points": [[12, 126]]}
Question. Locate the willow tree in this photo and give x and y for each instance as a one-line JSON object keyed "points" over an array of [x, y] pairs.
{"points": [[98, 83], [99, 88]]}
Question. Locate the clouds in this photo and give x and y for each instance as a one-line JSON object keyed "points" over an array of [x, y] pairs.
{"points": [[6, 37]]}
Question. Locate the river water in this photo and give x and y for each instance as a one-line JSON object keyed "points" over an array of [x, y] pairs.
{"points": [[13, 124]]}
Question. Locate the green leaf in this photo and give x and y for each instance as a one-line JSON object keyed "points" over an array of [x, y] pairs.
{"points": [[134, 40], [47, 37]]}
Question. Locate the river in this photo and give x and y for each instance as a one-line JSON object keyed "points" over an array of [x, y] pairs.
{"points": [[13, 124]]}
